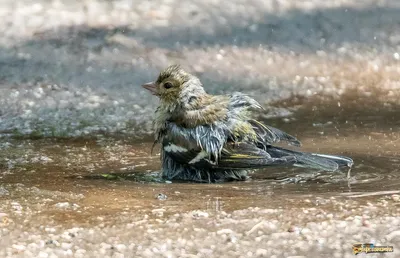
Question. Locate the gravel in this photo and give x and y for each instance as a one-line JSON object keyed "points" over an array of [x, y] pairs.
{"points": [[252, 232]]}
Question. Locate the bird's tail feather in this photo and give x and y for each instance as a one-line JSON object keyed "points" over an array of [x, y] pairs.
{"points": [[313, 160]]}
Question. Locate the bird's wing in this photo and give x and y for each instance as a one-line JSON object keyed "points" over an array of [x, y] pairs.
{"points": [[240, 155], [243, 155], [210, 146], [267, 135], [239, 106], [195, 157]]}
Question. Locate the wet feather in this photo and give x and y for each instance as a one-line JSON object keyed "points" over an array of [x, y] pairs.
{"points": [[213, 138]]}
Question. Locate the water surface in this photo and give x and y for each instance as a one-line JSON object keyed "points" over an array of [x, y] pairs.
{"points": [[69, 179]]}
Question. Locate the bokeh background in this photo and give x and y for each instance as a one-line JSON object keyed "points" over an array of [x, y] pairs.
{"points": [[71, 68]]}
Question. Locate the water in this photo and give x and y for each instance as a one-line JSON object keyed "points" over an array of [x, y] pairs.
{"points": [[69, 180]]}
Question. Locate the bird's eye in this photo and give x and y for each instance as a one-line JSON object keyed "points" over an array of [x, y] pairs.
{"points": [[168, 85]]}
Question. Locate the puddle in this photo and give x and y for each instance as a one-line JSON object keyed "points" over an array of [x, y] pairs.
{"points": [[69, 180], [74, 195]]}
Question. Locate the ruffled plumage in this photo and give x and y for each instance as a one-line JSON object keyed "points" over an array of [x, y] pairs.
{"points": [[208, 138]]}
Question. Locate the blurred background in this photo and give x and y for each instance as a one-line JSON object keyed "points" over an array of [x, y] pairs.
{"points": [[71, 68]]}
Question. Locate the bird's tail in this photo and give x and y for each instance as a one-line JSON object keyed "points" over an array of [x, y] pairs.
{"points": [[313, 160]]}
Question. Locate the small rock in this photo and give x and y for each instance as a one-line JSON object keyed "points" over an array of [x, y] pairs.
{"points": [[225, 231], [365, 222], [66, 246], [261, 252], [16, 206], [161, 197], [158, 212], [18, 247], [294, 229], [52, 242], [120, 247], [200, 214], [63, 205], [4, 191]]}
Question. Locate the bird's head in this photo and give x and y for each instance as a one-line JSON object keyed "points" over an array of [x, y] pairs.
{"points": [[176, 87]]}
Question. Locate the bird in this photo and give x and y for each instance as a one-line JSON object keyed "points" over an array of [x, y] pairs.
{"points": [[214, 138]]}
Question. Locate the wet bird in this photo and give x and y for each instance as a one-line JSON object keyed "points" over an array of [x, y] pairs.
{"points": [[213, 138]]}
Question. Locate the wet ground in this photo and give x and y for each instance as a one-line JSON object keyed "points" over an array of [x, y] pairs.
{"points": [[66, 195], [76, 175]]}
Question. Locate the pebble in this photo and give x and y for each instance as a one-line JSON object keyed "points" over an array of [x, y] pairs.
{"points": [[200, 214], [161, 197], [225, 231]]}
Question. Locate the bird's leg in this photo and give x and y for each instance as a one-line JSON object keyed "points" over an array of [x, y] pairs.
{"points": [[348, 179], [348, 174]]}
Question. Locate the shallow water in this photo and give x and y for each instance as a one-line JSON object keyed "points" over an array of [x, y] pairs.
{"points": [[68, 180]]}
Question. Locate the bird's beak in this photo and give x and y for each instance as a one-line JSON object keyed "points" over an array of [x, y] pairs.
{"points": [[152, 87]]}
